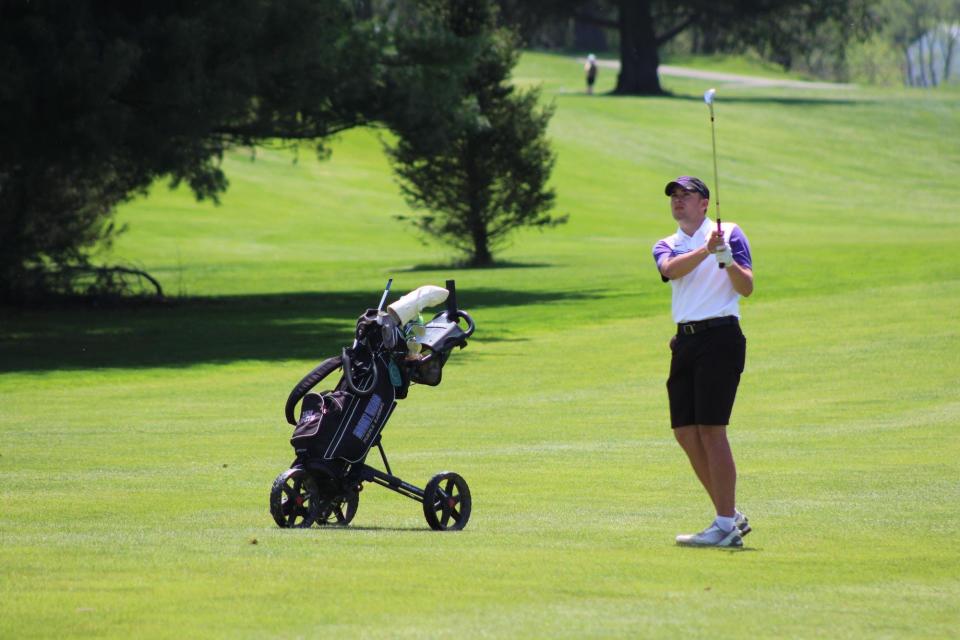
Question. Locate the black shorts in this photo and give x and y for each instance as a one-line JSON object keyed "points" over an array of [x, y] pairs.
{"points": [[704, 374]]}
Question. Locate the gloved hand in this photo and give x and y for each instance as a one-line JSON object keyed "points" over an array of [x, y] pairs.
{"points": [[723, 255]]}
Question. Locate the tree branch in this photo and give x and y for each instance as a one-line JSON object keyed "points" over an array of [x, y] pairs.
{"points": [[671, 33]]}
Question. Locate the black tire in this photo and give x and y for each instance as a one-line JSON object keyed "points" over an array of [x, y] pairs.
{"points": [[294, 499], [339, 511], [446, 502]]}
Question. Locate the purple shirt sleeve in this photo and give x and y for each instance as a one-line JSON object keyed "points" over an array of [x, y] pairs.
{"points": [[740, 248], [661, 250]]}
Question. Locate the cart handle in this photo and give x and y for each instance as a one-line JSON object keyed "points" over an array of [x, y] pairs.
{"points": [[348, 373]]}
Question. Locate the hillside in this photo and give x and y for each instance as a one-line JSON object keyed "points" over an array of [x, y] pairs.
{"points": [[138, 445]]}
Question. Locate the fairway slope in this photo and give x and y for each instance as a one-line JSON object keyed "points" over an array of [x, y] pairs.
{"points": [[138, 445]]}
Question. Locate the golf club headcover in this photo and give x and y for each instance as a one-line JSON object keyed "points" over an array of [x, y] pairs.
{"points": [[724, 255], [409, 306]]}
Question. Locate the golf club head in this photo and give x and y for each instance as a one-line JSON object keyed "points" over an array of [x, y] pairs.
{"points": [[708, 96]]}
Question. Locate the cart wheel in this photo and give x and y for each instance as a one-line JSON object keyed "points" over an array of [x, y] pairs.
{"points": [[339, 511], [293, 499], [446, 502]]}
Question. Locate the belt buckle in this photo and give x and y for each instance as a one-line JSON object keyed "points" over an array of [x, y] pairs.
{"points": [[688, 329]]}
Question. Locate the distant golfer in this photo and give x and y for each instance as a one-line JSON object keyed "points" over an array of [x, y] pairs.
{"points": [[590, 68], [708, 349]]}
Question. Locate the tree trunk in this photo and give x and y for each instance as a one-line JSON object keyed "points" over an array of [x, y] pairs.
{"points": [[481, 254], [638, 50], [908, 69], [922, 65], [950, 46], [932, 61], [476, 221]]}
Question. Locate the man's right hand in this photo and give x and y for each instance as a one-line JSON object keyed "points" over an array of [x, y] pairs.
{"points": [[715, 242]]}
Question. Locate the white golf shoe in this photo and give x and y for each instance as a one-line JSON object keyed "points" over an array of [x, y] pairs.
{"points": [[712, 536]]}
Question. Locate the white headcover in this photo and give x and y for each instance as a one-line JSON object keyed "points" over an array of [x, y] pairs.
{"points": [[409, 306]]}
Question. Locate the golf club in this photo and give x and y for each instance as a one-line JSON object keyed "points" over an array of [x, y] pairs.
{"points": [[708, 98], [386, 292]]}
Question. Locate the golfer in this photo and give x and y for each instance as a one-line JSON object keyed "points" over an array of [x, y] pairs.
{"points": [[709, 269], [590, 69]]}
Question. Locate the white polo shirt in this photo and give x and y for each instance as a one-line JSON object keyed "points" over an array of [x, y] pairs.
{"points": [[705, 292]]}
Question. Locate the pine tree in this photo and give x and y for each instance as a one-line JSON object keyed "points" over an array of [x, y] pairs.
{"points": [[490, 178]]}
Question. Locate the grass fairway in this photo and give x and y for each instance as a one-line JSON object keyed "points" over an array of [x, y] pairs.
{"points": [[138, 446]]}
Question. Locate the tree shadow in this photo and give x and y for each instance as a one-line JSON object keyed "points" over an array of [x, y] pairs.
{"points": [[221, 329], [500, 264]]}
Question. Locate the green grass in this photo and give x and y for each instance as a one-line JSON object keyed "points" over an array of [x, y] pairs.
{"points": [[137, 446]]}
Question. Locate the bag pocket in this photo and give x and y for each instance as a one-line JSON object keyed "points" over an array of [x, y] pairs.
{"points": [[320, 414]]}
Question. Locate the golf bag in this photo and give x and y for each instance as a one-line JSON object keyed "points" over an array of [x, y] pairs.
{"points": [[336, 429]]}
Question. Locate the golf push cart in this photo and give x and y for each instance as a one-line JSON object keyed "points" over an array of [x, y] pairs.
{"points": [[336, 429]]}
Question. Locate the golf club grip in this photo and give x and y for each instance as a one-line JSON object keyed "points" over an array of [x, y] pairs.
{"points": [[720, 265], [452, 301], [308, 382]]}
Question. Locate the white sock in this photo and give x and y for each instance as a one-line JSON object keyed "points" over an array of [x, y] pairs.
{"points": [[725, 523]]}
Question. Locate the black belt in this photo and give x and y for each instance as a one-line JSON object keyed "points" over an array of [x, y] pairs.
{"points": [[690, 328]]}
